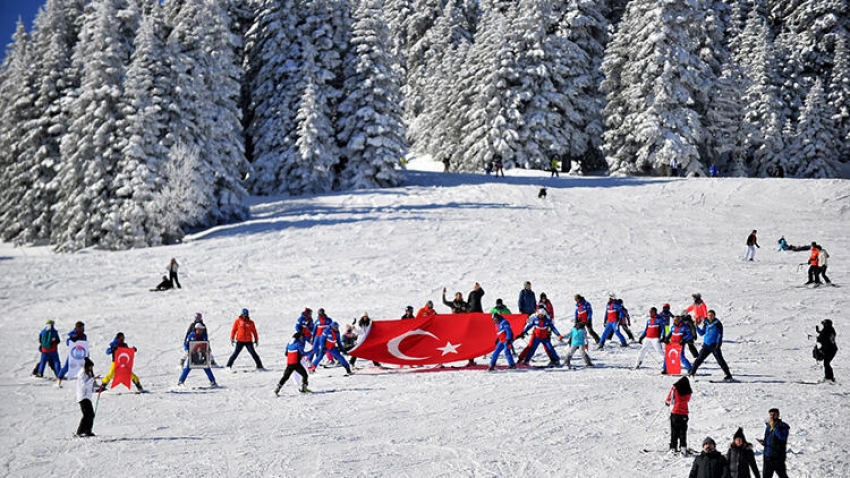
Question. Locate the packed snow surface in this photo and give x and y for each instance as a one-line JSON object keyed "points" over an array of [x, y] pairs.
{"points": [[649, 241]]}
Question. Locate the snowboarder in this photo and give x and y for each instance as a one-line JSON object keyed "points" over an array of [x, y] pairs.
{"points": [[331, 343], [458, 305], [613, 313], [198, 334], [578, 341], [741, 457], [504, 341], [752, 243], [527, 302], [474, 298], [828, 348], [775, 443], [294, 354], [543, 329], [677, 335], [652, 334], [165, 284], [86, 383], [710, 463], [77, 333], [677, 400], [48, 346], [712, 329], [243, 334], [172, 273], [114, 346], [584, 314], [427, 310]]}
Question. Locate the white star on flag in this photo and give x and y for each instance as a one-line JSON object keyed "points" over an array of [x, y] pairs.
{"points": [[449, 348]]}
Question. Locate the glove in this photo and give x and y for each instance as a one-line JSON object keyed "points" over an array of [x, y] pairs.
{"points": [[232, 343], [135, 349], [257, 343], [561, 338]]}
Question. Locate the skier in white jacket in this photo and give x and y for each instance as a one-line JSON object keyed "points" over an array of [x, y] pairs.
{"points": [[86, 383]]}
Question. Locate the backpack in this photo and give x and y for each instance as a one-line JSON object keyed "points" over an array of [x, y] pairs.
{"points": [[817, 353], [46, 339]]}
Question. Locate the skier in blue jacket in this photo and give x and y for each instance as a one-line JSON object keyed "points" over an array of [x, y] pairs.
{"points": [[504, 341], [712, 330], [294, 353], [322, 323], [77, 333], [330, 342], [543, 329], [198, 335], [613, 315]]}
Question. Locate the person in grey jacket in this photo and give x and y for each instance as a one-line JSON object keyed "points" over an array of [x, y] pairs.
{"points": [[710, 463], [741, 457]]}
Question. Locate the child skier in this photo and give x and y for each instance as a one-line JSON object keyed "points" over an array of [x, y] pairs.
{"points": [[652, 333], [677, 399], [504, 341], [543, 329], [294, 354], [86, 382], [578, 341], [197, 335], [117, 344]]}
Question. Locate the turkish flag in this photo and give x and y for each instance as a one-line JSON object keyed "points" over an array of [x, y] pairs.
{"points": [[437, 339], [672, 358], [123, 367]]}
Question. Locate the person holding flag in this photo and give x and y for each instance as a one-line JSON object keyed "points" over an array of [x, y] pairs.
{"points": [[77, 352], [294, 354], [679, 332], [652, 333], [330, 342], [86, 383], [504, 341], [200, 341], [119, 348]]}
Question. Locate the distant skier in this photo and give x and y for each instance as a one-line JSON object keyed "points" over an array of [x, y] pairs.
{"points": [[165, 284], [584, 314], [198, 319], [115, 346], [331, 343], [677, 400], [741, 457], [474, 298], [814, 271], [294, 354], [77, 333], [172, 273], [828, 348], [652, 334], [86, 383], [712, 170], [752, 243], [578, 341], [504, 341], [543, 329], [613, 314], [527, 302], [199, 334], [783, 244], [712, 329], [710, 463], [677, 335], [823, 257], [48, 346], [243, 334]]}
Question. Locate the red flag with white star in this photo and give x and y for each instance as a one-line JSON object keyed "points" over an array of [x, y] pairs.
{"points": [[441, 338]]}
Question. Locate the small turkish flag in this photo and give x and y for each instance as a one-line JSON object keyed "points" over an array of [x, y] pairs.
{"points": [[124, 367], [672, 358], [433, 340]]}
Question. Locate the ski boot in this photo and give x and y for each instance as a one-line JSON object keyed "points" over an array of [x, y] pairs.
{"points": [[277, 389]]}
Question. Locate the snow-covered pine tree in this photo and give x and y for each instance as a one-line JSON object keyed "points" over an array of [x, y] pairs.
{"points": [[17, 94], [205, 107], [724, 119], [773, 150], [94, 143], [839, 96], [139, 172], [180, 196], [274, 65], [318, 152], [656, 95], [814, 147], [370, 123]]}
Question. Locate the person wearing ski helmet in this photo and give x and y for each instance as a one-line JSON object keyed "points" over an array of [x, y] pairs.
{"points": [[408, 313], [542, 331], [504, 341], [331, 343], [427, 310], [319, 326], [243, 334], [294, 354], [304, 325], [613, 314], [198, 334]]}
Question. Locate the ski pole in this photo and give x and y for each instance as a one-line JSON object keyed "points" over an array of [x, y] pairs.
{"points": [[97, 403], [655, 418]]}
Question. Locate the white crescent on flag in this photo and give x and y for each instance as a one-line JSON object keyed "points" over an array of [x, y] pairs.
{"points": [[393, 345]]}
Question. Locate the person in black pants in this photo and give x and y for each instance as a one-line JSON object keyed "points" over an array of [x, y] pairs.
{"points": [[826, 340], [775, 445], [85, 389]]}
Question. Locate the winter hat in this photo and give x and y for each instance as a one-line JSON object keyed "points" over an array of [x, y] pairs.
{"points": [[499, 302], [198, 317], [244, 311], [50, 322], [708, 441], [739, 434], [409, 308], [200, 326], [429, 303], [665, 306]]}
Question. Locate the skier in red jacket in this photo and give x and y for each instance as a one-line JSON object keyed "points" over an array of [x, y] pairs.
{"points": [[677, 399]]}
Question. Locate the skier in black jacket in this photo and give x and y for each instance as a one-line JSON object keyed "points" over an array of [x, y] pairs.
{"points": [[710, 463], [826, 340]]}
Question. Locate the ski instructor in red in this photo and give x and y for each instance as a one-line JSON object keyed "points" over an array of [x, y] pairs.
{"points": [[244, 335]]}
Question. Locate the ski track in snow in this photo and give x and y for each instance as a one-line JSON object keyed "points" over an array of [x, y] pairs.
{"points": [[647, 240]]}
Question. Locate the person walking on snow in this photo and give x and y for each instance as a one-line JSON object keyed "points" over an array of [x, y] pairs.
{"points": [[828, 347], [677, 335], [677, 400], [115, 346], [752, 243], [48, 346], [172, 273], [294, 354], [652, 334], [741, 457], [578, 341], [712, 329], [504, 341], [243, 334], [775, 445], [710, 463], [86, 383], [199, 334], [543, 329], [527, 302], [613, 313], [331, 343], [584, 314], [474, 299]]}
